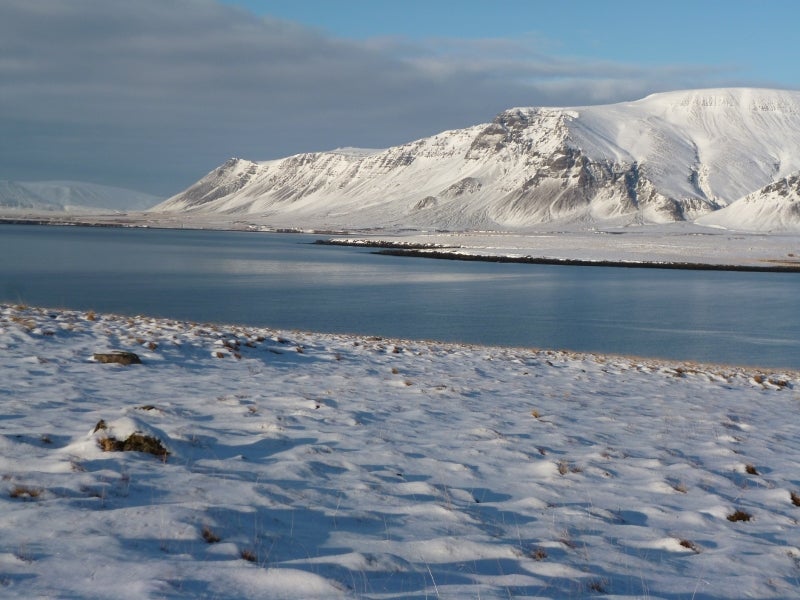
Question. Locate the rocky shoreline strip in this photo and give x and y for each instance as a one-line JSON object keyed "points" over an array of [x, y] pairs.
{"points": [[443, 252]]}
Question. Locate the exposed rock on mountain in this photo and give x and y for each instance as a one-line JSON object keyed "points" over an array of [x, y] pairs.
{"points": [[668, 157]]}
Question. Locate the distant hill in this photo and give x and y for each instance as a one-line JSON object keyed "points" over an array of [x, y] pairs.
{"points": [[70, 197], [775, 207], [673, 156]]}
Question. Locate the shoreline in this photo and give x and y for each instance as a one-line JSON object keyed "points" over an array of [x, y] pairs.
{"points": [[680, 365], [575, 262], [676, 248], [442, 252]]}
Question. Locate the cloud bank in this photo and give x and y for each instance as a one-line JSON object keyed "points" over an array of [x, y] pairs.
{"points": [[152, 94]]}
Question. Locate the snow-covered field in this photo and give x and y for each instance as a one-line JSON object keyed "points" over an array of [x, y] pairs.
{"points": [[673, 243], [305, 465]]}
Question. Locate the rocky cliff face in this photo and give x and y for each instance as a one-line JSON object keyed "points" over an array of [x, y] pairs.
{"points": [[668, 157]]}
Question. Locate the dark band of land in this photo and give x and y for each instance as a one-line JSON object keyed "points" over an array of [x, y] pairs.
{"points": [[532, 260], [434, 251]]}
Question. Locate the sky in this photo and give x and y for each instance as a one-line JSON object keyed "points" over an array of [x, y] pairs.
{"points": [[153, 94]]}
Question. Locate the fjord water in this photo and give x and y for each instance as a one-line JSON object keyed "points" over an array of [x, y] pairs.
{"points": [[285, 281]]}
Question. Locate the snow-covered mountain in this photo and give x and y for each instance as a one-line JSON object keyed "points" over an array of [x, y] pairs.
{"points": [[668, 157], [773, 207], [70, 196]]}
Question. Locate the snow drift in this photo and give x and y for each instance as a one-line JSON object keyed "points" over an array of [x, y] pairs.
{"points": [[669, 157]]}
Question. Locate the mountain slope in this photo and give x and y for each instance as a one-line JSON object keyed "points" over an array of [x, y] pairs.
{"points": [[15, 196], [775, 207], [667, 157], [70, 196]]}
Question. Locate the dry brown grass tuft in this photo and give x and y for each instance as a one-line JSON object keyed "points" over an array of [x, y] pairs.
{"points": [[209, 536], [739, 515], [135, 442], [118, 357], [690, 545], [25, 491], [248, 555], [538, 554], [750, 469], [795, 498], [565, 467], [598, 586]]}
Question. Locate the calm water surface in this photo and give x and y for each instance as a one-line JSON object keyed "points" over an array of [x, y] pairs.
{"points": [[285, 281]]}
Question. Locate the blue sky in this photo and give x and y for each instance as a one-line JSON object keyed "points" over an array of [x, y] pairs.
{"points": [[151, 95], [743, 38]]}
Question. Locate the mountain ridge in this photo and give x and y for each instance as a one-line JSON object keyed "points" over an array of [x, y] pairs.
{"points": [[674, 156], [70, 197]]}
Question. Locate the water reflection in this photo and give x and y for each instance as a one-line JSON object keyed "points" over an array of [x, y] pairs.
{"points": [[285, 281]]}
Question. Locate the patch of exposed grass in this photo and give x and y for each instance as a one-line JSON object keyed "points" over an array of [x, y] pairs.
{"points": [[565, 467], [209, 536], [750, 469], [690, 545], [739, 515], [538, 553], [248, 555], [795, 498], [135, 442], [117, 357], [25, 491], [598, 586]]}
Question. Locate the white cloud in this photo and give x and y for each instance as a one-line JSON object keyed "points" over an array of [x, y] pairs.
{"points": [[152, 94]]}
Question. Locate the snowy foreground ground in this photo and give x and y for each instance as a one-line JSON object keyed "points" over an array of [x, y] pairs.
{"points": [[324, 466]]}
